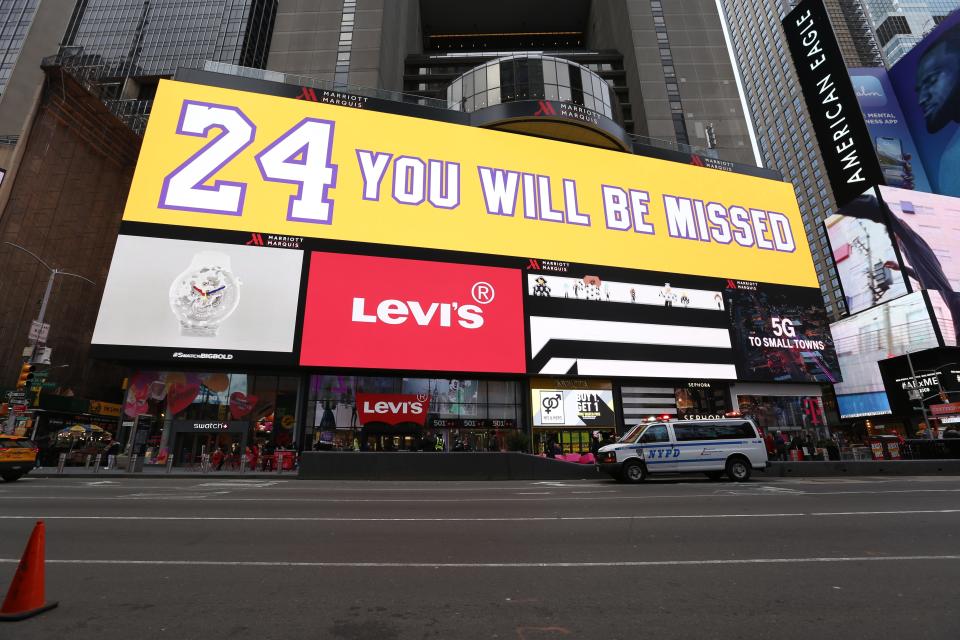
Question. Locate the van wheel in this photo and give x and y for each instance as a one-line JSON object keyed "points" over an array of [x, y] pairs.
{"points": [[11, 477], [714, 475], [633, 472], [738, 469]]}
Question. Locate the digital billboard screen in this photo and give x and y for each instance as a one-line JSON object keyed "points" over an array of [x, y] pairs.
{"points": [[441, 247], [180, 299], [896, 151], [927, 83], [863, 253], [862, 340], [845, 145], [927, 230]]}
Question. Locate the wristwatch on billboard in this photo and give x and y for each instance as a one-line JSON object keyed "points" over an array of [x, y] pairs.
{"points": [[205, 294]]}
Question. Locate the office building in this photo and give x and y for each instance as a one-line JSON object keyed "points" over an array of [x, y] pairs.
{"points": [[899, 25], [854, 33], [124, 47], [666, 62], [784, 136]]}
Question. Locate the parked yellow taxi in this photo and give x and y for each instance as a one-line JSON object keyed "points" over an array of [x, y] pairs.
{"points": [[17, 456]]}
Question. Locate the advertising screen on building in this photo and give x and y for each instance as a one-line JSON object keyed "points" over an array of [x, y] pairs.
{"points": [[867, 263], [862, 340], [373, 312], [572, 403], [169, 297], [888, 128], [927, 230], [831, 101], [268, 229], [927, 83], [223, 159], [931, 376]]}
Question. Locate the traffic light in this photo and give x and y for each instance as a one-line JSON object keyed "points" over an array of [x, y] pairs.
{"points": [[26, 376]]}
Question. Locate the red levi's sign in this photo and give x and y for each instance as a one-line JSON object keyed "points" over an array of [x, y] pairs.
{"points": [[392, 313], [392, 408]]}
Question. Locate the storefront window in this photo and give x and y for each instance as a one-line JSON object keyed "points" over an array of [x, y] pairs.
{"points": [[384, 414], [577, 414], [789, 414], [231, 416]]}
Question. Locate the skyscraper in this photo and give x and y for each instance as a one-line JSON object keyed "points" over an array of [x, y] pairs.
{"points": [[854, 33], [15, 19], [901, 24], [124, 47], [666, 61], [784, 136]]}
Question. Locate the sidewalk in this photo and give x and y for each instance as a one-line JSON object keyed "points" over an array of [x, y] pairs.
{"points": [[775, 470], [152, 472]]}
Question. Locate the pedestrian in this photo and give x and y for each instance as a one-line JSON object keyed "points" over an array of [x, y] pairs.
{"points": [[781, 445], [551, 453], [595, 443], [771, 446]]}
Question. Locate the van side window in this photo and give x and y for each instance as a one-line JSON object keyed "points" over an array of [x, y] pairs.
{"points": [[735, 430], [713, 431], [695, 431], [656, 433]]}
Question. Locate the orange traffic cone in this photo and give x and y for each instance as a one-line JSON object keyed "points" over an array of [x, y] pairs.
{"points": [[26, 595]]}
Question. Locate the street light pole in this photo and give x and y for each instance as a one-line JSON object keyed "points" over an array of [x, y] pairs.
{"points": [[54, 272], [923, 405]]}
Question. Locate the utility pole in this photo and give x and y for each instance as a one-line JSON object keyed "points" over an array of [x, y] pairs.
{"points": [[35, 339], [923, 405]]}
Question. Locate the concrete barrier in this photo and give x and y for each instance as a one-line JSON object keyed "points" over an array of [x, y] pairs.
{"points": [[864, 468], [353, 465]]}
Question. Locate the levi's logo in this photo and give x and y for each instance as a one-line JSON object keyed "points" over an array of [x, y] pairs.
{"points": [[397, 313], [384, 407], [425, 314]]}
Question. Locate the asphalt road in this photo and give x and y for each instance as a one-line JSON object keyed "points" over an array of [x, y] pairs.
{"points": [[207, 558]]}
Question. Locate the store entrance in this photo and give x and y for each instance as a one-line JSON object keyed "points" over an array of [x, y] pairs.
{"points": [[189, 447], [380, 437]]}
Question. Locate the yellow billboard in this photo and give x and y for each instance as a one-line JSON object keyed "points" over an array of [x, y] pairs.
{"points": [[225, 159]]}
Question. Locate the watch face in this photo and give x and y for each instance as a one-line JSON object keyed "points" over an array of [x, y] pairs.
{"points": [[202, 297]]}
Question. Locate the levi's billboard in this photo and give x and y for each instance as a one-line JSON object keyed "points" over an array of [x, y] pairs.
{"points": [[392, 408], [229, 160], [393, 313]]}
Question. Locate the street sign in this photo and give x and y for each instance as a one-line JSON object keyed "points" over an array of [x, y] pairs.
{"points": [[43, 357], [39, 331]]}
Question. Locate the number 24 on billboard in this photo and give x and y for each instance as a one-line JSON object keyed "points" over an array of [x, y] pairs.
{"points": [[301, 157]]}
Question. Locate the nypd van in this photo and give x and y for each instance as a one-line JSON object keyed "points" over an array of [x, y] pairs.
{"points": [[733, 447]]}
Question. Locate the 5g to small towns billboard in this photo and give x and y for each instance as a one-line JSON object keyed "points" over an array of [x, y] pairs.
{"points": [[268, 230]]}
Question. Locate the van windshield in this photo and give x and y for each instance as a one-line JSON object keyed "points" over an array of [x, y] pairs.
{"points": [[632, 435]]}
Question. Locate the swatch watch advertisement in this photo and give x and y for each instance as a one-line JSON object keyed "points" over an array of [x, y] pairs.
{"points": [[199, 301]]}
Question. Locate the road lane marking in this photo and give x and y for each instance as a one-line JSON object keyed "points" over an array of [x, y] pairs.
{"points": [[492, 565], [500, 498], [693, 516]]}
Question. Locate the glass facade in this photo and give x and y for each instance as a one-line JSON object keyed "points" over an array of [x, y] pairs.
{"points": [[228, 416], [16, 17], [901, 25], [532, 77], [137, 38], [462, 414]]}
